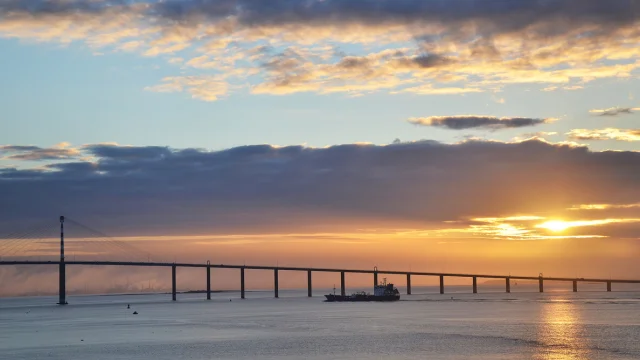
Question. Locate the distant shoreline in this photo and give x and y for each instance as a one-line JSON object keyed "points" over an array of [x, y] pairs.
{"points": [[535, 282], [164, 293]]}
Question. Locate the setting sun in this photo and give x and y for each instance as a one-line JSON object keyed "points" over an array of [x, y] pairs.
{"points": [[555, 225]]}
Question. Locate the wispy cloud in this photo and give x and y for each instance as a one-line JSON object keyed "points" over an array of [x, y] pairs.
{"points": [[531, 227], [35, 153], [464, 122], [604, 134], [567, 88], [535, 135], [207, 88], [557, 224], [614, 111], [509, 228], [604, 206]]}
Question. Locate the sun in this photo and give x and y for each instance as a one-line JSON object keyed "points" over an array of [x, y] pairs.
{"points": [[555, 225]]}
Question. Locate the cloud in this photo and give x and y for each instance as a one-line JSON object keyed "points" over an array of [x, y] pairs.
{"points": [[534, 135], [35, 153], [613, 111], [463, 46], [207, 88], [525, 228], [431, 90], [115, 152], [268, 189], [558, 224], [567, 88], [604, 134], [463, 122], [604, 206]]}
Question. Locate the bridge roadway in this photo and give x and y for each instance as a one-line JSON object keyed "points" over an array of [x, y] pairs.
{"points": [[289, 268], [310, 270]]}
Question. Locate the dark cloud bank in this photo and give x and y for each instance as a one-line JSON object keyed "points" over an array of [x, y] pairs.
{"points": [[494, 16], [158, 190]]}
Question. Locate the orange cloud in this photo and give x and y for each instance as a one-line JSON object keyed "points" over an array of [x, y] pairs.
{"points": [[467, 56], [604, 134]]}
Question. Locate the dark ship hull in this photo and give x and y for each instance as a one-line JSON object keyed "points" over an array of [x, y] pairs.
{"points": [[358, 297]]}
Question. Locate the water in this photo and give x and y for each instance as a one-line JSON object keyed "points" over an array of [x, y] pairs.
{"points": [[554, 325]]}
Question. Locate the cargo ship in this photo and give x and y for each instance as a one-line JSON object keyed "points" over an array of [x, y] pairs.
{"points": [[382, 292]]}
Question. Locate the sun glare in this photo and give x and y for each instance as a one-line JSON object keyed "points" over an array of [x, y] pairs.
{"points": [[555, 225]]}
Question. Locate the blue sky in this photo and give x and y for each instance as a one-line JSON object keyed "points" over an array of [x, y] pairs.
{"points": [[83, 98], [70, 87]]}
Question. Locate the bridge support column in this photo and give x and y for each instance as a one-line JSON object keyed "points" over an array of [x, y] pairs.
{"points": [[241, 283], [475, 285], [173, 282], [275, 283], [62, 270], [208, 281], [309, 289], [408, 284], [575, 285], [508, 282], [343, 290], [540, 284], [62, 286], [609, 286], [441, 284]]}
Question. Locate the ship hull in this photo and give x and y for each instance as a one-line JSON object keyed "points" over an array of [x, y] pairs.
{"points": [[361, 298]]}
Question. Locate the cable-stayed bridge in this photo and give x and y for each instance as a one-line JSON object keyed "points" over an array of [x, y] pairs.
{"points": [[45, 245]]}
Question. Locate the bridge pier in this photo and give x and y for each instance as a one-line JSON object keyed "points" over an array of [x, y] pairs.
{"points": [[408, 284], [62, 285], [609, 286], [343, 290], [173, 282], [62, 270], [275, 283], [475, 285], [540, 284], [441, 284], [242, 283], [208, 281], [309, 289], [508, 282], [575, 285]]}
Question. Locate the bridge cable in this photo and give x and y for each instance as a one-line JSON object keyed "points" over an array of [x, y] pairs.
{"points": [[128, 249]]}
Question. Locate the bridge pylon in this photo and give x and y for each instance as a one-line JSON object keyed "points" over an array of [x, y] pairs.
{"points": [[62, 288]]}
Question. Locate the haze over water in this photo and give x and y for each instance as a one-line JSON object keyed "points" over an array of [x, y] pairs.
{"points": [[557, 325]]}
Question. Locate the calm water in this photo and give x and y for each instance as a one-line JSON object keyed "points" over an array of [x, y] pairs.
{"points": [[554, 325]]}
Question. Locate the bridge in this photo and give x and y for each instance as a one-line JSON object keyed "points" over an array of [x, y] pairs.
{"points": [[62, 263]]}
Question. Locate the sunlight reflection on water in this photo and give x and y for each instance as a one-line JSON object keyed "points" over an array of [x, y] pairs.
{"points": [[561, 332]]}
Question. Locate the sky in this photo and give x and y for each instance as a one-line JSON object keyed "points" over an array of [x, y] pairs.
{"points": [[488, 135]]}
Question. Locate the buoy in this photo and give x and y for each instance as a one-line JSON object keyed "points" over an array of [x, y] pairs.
{"points": [[128, 306]]}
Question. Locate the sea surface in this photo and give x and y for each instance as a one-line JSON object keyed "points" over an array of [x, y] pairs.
{"points": [[558, 325]]}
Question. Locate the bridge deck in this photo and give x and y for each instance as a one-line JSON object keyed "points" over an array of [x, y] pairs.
{"points": [[288, 268]]}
